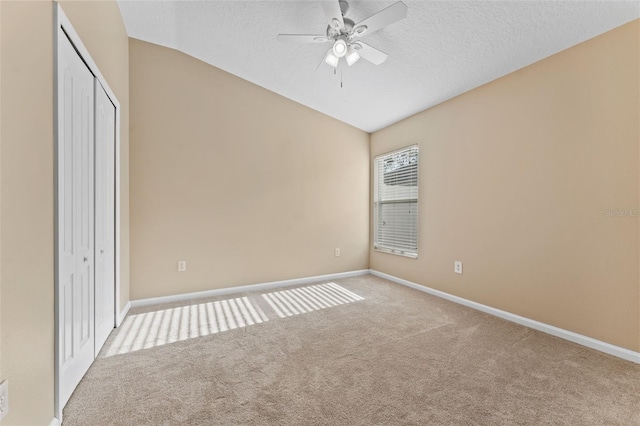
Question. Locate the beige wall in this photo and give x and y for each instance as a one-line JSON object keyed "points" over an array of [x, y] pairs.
{"points": [[243, 184], [515, 178], [26, 190], [1, 375], [26, 187]]}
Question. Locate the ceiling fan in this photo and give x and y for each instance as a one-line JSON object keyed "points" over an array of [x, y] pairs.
{"points": [[344, 34]]}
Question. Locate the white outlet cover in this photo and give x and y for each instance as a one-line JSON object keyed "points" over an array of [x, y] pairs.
{"points": [[457, 267], [182, 265], [4, 399]]}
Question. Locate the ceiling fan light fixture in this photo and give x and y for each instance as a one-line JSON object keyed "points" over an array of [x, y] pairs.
{"points": [[331, 59], [352, 56], [340, 48]]}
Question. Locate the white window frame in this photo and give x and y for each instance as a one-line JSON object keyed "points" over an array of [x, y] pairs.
{"points": [[377, 206]]}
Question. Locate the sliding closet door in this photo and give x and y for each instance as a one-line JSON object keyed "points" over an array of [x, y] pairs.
{"points": [[105, 114], [75, 185]]}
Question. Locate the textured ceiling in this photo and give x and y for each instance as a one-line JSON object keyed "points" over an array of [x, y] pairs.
{"points": [[442, 48]]}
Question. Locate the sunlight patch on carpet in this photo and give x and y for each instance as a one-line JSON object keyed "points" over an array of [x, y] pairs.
{"points": [[158, 328], [151, 329], [296, 301]]}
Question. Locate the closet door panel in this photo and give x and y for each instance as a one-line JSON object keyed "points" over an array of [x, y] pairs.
{"points": [[75, 209], [104, 217]]}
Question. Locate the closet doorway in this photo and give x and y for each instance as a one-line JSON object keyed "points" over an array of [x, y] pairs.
{"points": [[86, 243]]}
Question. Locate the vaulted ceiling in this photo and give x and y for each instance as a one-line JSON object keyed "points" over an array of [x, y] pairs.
{"points": [[442, 48]]}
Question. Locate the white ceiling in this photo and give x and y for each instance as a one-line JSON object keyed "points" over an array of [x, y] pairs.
{"points": [[442, 48]]}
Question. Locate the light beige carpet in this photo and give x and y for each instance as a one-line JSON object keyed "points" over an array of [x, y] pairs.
{"points": [[374, 353]]}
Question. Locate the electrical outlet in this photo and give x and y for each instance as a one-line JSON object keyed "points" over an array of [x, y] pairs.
{"points": [[182, 265], [457, 266], [337, 252], [4, 399]]}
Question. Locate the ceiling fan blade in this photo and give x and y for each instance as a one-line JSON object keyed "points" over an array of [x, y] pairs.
{"points": [[391, 14], [369, 53], [334, 13], [302, 38]]}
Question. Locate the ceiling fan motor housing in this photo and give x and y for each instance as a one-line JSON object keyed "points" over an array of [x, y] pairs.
{"points": [[346, 29]]}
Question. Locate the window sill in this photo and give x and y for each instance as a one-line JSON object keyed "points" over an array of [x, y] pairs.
{"points": [[396, 252]]}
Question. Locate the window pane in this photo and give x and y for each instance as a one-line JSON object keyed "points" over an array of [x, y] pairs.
{"points": [[397, 225], [396, 201]]}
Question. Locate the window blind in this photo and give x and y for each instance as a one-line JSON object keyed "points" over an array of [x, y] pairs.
{"points": [[396, 202]]}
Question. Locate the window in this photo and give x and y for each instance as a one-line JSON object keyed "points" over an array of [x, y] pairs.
{"points": [[395, 202]]}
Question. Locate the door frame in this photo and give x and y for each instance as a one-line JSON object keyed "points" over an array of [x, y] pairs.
{"points": [[63, 26]]}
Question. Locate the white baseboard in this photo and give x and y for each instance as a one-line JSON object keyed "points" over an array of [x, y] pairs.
{"points": [[580, 339], [245, 288], [121, 315], [54, 422]]}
